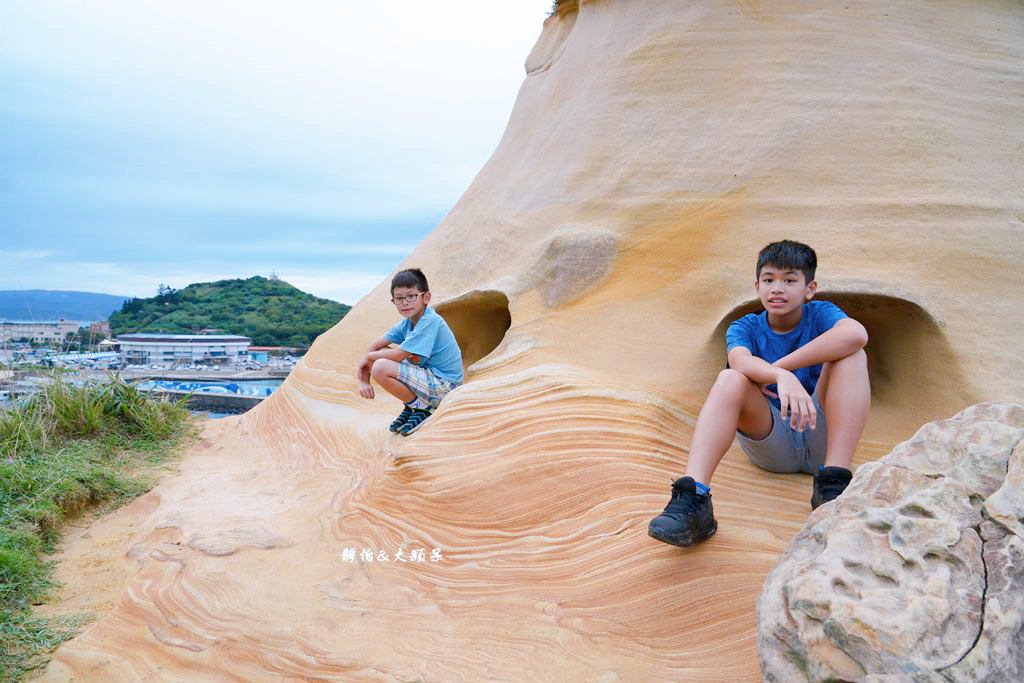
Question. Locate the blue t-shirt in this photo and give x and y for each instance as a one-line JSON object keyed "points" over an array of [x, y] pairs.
{"points": [[433, 341], [753, 333]]}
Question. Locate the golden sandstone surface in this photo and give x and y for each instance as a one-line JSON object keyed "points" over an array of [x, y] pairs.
{"points": [[589, 272]]}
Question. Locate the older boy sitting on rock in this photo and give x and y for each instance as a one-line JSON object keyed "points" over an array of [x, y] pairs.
{"points": [[785, 364]]}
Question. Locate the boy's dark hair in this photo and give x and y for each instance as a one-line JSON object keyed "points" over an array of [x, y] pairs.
{"points": [[788, 255], [411, 277]]}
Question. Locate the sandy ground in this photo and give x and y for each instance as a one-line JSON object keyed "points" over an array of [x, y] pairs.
{"points": [[93, 559]]}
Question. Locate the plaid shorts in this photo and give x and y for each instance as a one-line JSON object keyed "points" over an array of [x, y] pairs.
{"points": [[424, 383]]}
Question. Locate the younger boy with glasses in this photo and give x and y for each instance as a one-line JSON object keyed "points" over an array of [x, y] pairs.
{"points": [[427, 363]]}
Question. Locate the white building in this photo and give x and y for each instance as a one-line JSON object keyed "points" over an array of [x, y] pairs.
{"points": [[182, 349], [42, 331]]}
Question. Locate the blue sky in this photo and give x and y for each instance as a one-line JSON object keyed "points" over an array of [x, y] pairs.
{"points": [[147, 142]]}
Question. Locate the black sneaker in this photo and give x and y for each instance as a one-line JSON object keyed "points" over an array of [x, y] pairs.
{"points": [[687, 517], [829, 482], [415, 420], [402, 418]]}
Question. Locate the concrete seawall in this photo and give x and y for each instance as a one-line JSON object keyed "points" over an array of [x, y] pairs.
{"points": [[221, 403]]}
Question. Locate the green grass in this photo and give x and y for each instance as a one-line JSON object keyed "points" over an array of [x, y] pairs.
{"points": [[67, 449]]}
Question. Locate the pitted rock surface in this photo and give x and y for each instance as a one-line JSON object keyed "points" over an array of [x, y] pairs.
{"points": [[572, 263], [917, 569]]}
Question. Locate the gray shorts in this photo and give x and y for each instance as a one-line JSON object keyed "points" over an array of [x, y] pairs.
{"points": [[785, 450]]}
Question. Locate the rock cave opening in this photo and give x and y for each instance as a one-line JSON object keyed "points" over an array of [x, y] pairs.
{"points": [[479, 320], [911, 365]]}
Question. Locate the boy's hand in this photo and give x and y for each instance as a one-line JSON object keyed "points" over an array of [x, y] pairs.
{"points": [[363, 371], [796, 404], [365, 390]]}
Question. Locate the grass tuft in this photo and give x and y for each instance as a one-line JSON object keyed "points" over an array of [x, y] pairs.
{"points": [[66, 449]]}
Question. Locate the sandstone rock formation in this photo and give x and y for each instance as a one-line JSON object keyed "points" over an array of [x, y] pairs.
{"points": [[917, 569], [590, 270]]}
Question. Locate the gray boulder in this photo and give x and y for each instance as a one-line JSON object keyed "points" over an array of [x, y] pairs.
{"points": [[917, 571]]}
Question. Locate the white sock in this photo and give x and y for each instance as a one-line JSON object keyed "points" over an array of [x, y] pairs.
{"points": [[418, 403]]}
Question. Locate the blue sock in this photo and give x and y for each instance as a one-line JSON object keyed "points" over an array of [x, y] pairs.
{"points": [[701, 488]]}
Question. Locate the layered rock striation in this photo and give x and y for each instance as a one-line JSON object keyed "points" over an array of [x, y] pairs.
{"points": [[589, 271]]}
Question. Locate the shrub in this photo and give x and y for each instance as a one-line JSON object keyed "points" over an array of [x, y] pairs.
{"points": [[66, 448]]}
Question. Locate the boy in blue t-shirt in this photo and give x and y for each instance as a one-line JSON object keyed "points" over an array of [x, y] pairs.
{"points": [[785, 365], [427, 363]]}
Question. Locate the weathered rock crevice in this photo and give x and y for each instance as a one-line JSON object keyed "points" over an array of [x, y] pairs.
{"points": [[479, 320], [984, 592], [982, 534]]}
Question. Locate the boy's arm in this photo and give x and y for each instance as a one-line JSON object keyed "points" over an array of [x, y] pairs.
{"points": [[396, 354], [363, 371], [378, 349], [794, 401], [845, 338], [756, 369]]}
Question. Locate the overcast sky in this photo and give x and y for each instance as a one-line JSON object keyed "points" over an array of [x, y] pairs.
{"points": [[148, 142]]}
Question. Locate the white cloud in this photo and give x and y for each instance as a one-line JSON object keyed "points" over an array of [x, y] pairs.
{"points": [[137, 280], [9, 257], [322, 248], [254, 115], [348, 287], [391, 106], [103, 277]]}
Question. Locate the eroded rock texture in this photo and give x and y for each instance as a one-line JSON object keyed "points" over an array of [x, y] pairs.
{"points": [[589, 271], [917, 570]]}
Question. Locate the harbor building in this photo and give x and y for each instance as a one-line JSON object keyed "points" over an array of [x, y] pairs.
{"points": [[262, 354], [41, 331], [182, 349], [100, 328]]}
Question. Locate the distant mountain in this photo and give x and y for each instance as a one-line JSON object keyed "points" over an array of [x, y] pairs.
{"points": [[50, 304], [271, 311]]}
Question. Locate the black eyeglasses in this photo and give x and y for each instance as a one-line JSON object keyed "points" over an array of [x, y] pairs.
{"points": [[406, 299]]}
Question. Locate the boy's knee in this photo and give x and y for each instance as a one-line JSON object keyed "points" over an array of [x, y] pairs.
{"points": [[382, 368], [857, 358], [733, 380]]}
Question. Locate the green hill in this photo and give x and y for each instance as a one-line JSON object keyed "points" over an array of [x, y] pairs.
{"points": [[272, 312]]}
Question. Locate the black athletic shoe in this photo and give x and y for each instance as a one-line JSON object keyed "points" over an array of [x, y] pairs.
{"points": [[402, 418], [687, 517], [829, 482], [414, 421]]}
